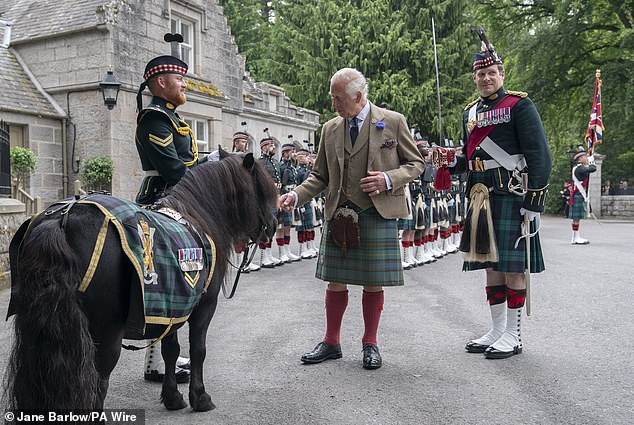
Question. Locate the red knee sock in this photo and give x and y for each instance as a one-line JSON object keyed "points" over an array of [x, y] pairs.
{"points": [[575, 226], [280, 241], [372, 306], [496, 294], [516, 298], [336, 303]]}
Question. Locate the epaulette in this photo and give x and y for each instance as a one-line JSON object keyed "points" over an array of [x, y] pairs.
{"points": [[472, 103], [521, 94]]}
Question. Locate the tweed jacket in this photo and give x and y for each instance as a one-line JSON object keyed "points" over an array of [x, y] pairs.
{"points": [[389, 147]]}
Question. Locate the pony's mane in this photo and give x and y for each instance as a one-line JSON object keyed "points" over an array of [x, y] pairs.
{"points": [[223, 199]]}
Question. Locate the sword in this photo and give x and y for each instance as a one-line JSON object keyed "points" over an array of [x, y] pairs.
{"points": [[527, 235]]}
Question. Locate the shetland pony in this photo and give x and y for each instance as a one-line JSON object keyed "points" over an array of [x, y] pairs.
{"points": [[68, 342]]}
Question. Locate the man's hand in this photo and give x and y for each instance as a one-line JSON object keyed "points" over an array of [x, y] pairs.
{"points": [[531, 215], [287, 201], [374, 183]]}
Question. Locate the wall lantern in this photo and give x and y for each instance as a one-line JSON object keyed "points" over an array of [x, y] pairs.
{"points": [[110, 89]]}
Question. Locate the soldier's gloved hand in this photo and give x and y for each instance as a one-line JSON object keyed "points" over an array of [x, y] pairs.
{"points": [[531, 215]]}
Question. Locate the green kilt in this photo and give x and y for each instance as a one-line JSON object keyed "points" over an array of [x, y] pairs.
{"points": [[406, 224], [307, 218], [452, 214], [285, 218], [375, 262], [507, 222], [577, 211], [427, 215]]}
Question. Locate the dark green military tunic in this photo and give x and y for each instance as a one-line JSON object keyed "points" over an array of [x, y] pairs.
{"points": [[522, 134], [166, 146]]}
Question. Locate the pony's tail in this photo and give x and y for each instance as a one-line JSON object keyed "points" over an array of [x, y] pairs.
{"points": [[52, 361]]}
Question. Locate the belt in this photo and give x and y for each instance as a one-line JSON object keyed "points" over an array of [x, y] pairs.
{"points": [[481, 165], [151, 173]]}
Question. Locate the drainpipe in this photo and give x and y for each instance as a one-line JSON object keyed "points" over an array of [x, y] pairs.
{"points": [[64, 158]]}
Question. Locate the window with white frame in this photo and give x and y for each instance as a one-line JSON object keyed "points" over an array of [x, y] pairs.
{"points": [[186, 28], [201, 132]]}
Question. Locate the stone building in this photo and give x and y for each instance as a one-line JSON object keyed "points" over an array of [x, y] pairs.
{"points": [[61, 50], [54, 54]]}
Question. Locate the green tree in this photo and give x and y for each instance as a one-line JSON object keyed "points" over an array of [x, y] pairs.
{"points": [[305, 42]]}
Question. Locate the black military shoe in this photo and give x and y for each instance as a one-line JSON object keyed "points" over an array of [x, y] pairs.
{"points": [[323, 351], [492, 353], [371, 357], [473, 347]]}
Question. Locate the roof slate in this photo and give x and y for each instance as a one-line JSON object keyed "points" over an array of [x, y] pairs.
{"points": [[38, 18], [18, 91]]}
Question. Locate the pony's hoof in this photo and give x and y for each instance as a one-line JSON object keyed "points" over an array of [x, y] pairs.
{"points": [[201, 403], [176, 402]]}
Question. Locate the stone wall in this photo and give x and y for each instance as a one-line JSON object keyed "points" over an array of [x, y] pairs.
{"points": [[44, 137], [11, 217], [617, 206]]}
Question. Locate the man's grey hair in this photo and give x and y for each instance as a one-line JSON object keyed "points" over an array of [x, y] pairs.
{"points": [[353, 79]]}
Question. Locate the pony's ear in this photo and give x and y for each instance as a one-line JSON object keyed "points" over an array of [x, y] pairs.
{"points": [[248, 161], [222, 153]]}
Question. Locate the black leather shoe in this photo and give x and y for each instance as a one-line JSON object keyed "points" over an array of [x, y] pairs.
{"points": [[323, 351], [473, 347], [492, 353], [371, 357], [182, 376]]}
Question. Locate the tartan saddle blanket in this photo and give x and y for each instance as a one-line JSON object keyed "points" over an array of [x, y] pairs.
{"points": [[173, 262]]}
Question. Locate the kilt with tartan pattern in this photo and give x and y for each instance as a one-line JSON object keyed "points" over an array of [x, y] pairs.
{"points": [[406, 224], [285, 218], [507, 221], [427, 214], [307, 218], [577, 211], [375, 262]]}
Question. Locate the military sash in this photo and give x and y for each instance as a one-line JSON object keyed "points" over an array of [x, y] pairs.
{"points": [[579, 186], [495, 116]]}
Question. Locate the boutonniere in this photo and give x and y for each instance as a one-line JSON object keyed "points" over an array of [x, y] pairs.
{"points": [[380, 125], [389, 144]]}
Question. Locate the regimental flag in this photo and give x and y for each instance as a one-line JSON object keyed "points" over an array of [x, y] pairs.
{"points": [[594, 133]]}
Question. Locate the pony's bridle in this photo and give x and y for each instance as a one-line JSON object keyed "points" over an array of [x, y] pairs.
{"points": [[247, 256]]}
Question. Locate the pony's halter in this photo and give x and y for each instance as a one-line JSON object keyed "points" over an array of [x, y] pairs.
{"points": [[248, 255]]}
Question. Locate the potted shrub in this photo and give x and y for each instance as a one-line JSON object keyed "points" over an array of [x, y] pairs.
{"points": [[23, 163], [96, 173]]}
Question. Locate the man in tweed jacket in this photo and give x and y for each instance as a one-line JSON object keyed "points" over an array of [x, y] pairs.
{"points": [[366, 157]]}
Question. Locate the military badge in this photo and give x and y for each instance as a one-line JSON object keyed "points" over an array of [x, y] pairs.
{"points": [[146, 235]]}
